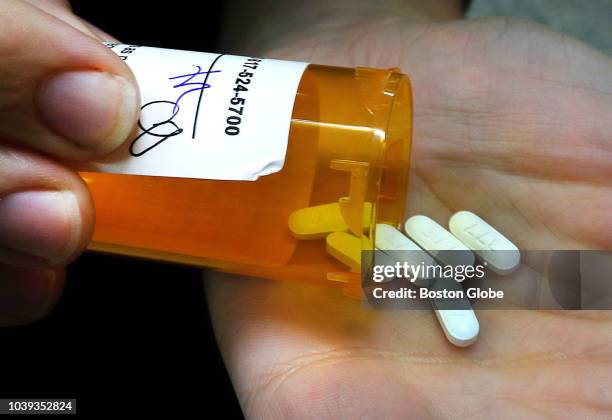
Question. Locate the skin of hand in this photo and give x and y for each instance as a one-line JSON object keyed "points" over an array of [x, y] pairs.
{"points": [[63, 97], [512, 121]]}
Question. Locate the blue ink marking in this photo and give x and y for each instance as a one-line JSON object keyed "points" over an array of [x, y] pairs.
{"points": [[200, 86]]}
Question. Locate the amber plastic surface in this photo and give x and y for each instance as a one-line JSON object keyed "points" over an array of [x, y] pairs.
{"points": [[349, 143]]}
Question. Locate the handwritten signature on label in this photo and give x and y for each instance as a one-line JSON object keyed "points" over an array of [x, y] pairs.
{"points": [[167, 128]]}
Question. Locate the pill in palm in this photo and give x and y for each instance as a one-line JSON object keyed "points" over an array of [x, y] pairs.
{"points": [[400, 248], [437, 241], [389, 238], [460, 326], [501, 255]]}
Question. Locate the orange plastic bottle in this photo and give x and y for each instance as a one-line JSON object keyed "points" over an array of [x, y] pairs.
{"points": [[349, 143]]}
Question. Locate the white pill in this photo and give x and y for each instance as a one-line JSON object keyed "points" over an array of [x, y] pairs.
{"points": [[439, 242], [400, 248], [389, 238], [460, 326], [501, 255]]}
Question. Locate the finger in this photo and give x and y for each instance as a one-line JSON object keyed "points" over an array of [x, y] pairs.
{"points": [[28, 295], [61, 9], [99, 33], [61, 92], [46, 213]]}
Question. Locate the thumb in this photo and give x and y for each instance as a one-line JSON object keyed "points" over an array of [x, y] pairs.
{"points": [[62, 92]]}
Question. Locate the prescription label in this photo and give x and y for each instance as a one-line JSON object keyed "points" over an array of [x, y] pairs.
{"points": [[208, 116]]}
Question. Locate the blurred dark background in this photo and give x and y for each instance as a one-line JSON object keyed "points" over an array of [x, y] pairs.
{"points": [[128, 334]]}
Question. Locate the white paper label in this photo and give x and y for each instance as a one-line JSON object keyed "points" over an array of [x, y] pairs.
{"points": [[209, 116]]}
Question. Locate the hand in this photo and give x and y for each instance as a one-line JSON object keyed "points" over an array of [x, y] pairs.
{"points": [[63, 96], [513, 122]]}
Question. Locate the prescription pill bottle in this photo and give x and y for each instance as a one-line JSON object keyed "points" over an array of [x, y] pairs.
{"points": [[348, 146]]}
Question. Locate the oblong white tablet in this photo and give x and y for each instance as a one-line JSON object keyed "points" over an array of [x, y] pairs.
{"points": [[438, 242], [400, 248], [389, 238], [460, 326], [501, 255]]}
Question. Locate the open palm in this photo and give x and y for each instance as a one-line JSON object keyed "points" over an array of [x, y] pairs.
{"points": [[513, 122]]}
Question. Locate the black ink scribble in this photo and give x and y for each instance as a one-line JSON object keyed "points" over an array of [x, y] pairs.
{"points": [[208, 72], [163, 129]]}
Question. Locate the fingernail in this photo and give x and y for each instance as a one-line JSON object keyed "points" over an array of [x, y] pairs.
{"points": [[25, 295], [92, 109], [44, 224]]}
